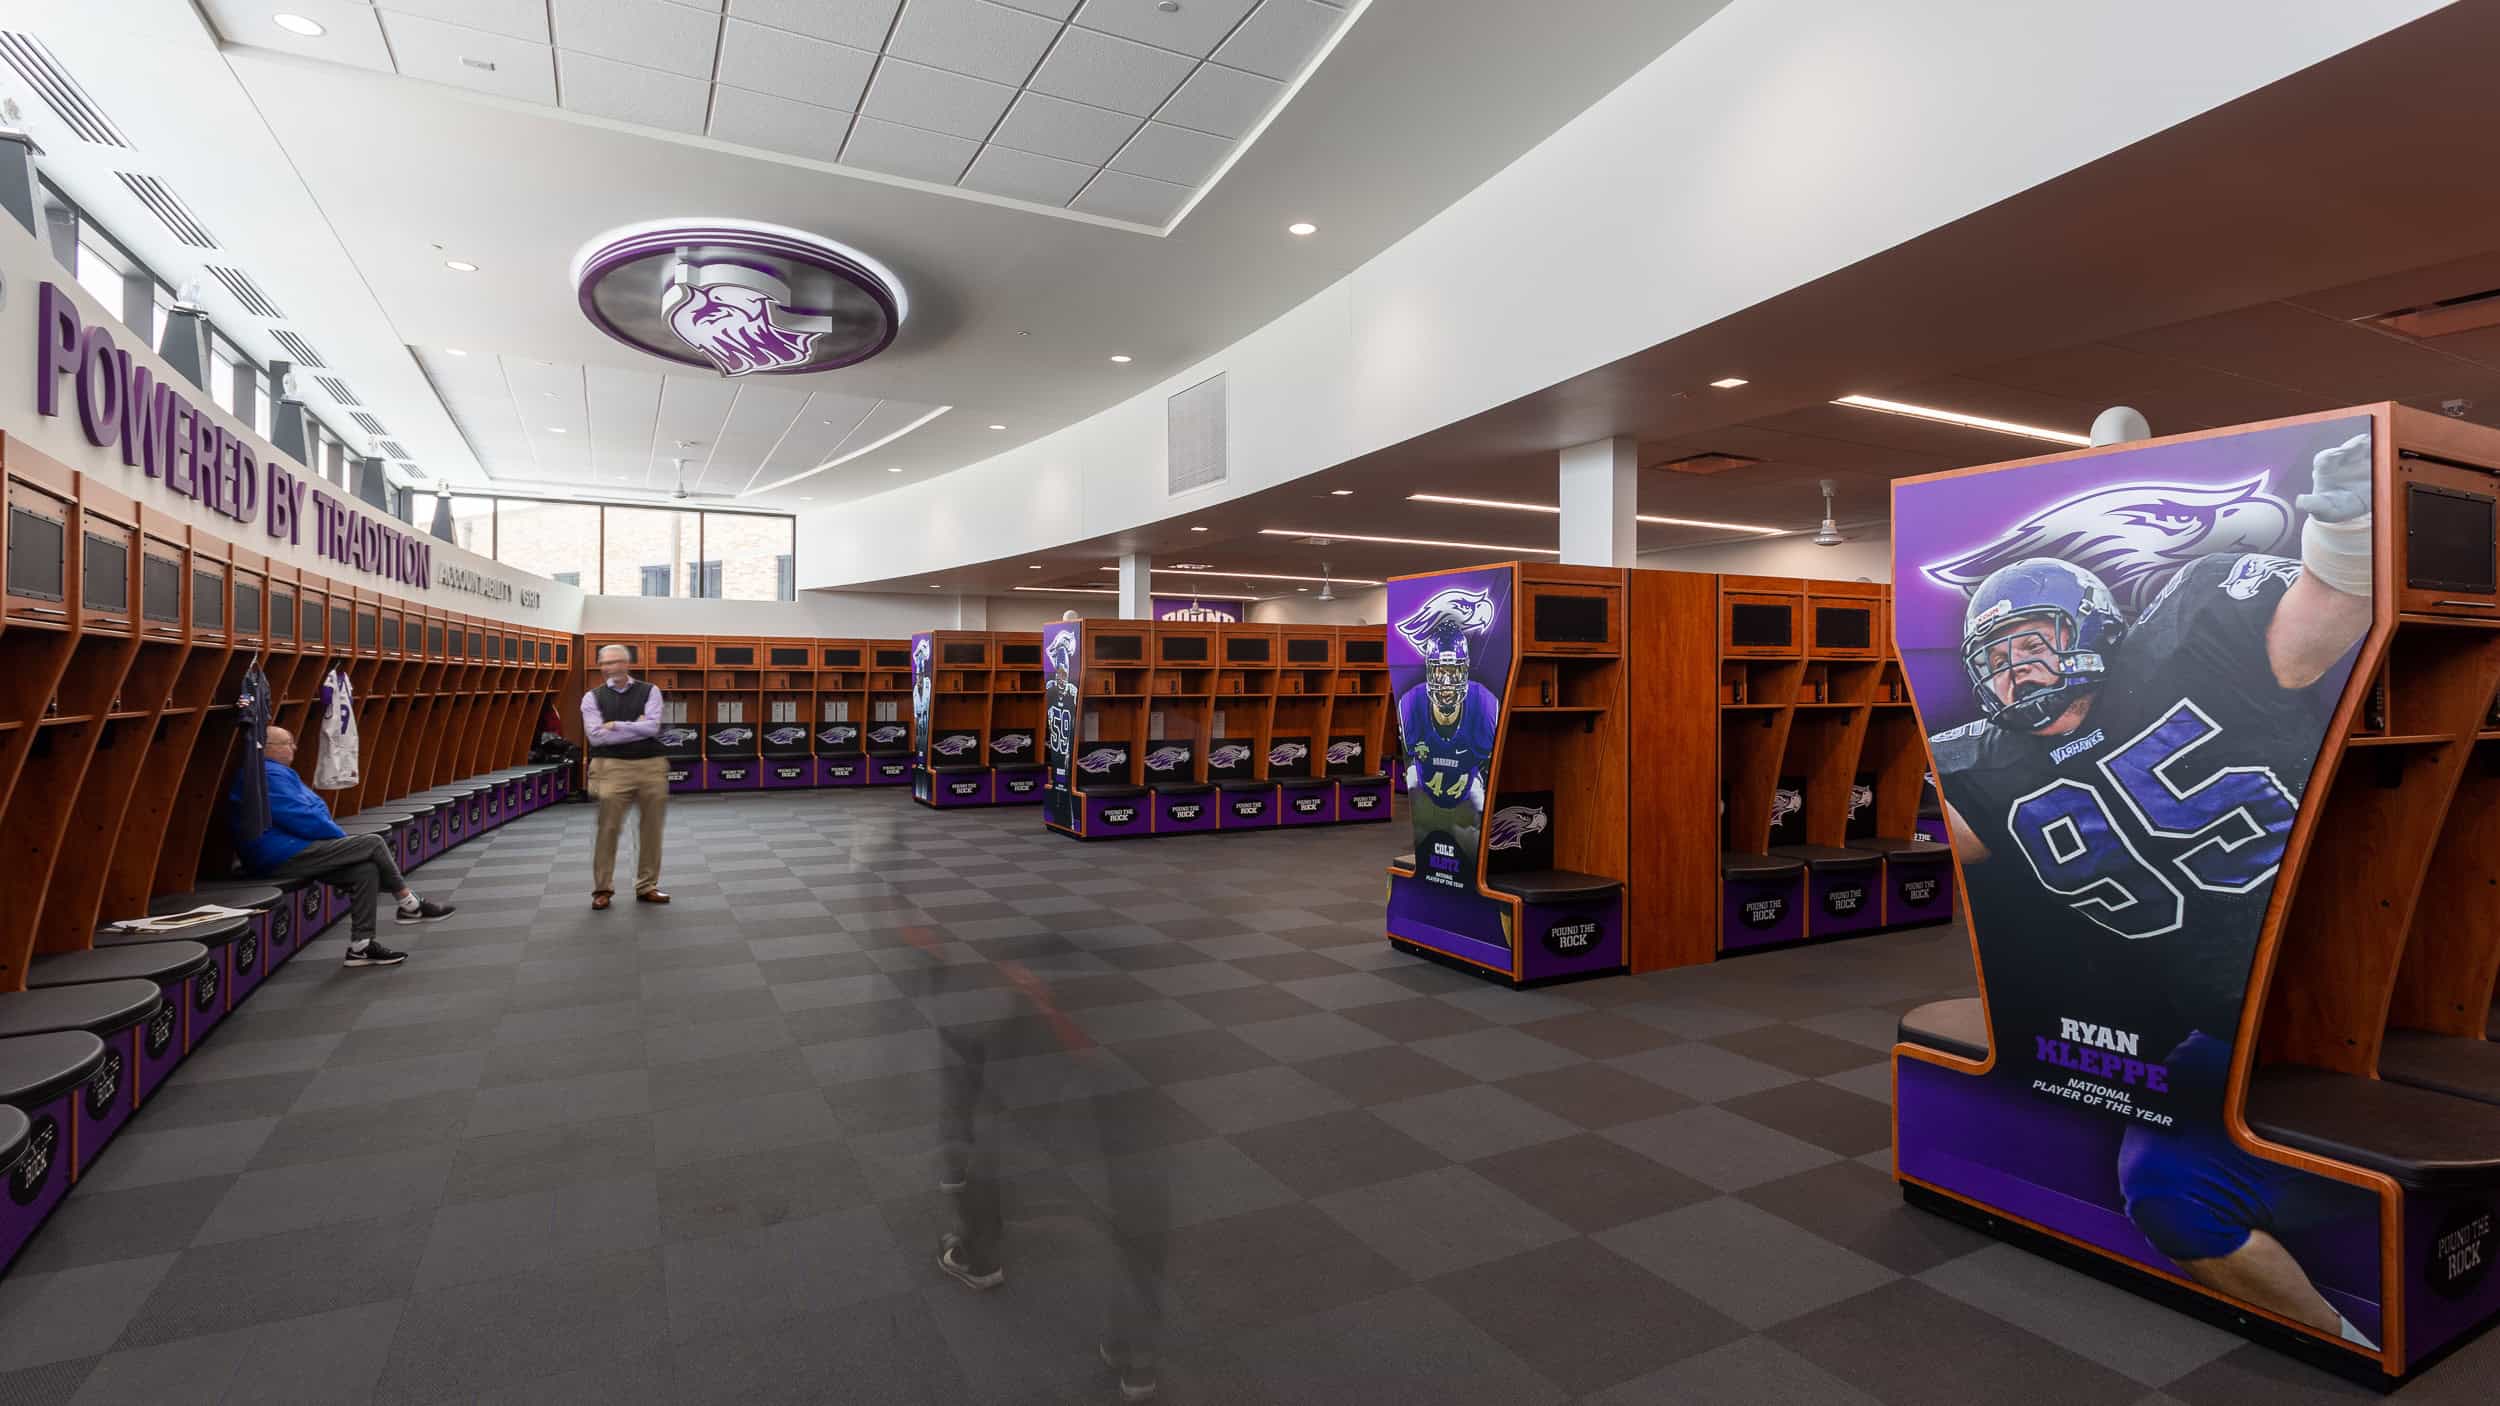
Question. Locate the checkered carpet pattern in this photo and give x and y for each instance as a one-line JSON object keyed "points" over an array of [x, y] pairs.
{"points": [[686, 1154]]}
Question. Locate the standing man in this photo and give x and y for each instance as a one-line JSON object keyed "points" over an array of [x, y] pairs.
{"points": [[303, 842], [621, 718]]}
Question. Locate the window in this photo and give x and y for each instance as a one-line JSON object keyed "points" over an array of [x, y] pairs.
{"points": [[567, 578], [750, 548], [220, 375], [100, 276], [706, 582], [546, 539], [639, 539], [785, 577]]}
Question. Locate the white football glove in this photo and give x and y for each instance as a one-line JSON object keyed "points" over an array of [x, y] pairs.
{"points": [[2340, 482], [1414, 782], [1475, 792]]}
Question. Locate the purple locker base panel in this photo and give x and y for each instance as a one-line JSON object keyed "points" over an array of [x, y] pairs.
{"points": [[1018, 785], [165, 1037], [1431, 915], [1246, 810], [211, 994], [1760, 912], [958, 788], [734, 774], [1115, 817], [251, 955], [1840, 902], [1316, 805], [1185, 812], [892, 770], [42, 1176], [1570, 939], [684, 774], [312, 914], [283, 920], [2450, 1290], [1360, 800], [1992, 1141], [476, 812], [781, 773], [1918, 892], [105, 1101], [1932, 827], [841, 771]]}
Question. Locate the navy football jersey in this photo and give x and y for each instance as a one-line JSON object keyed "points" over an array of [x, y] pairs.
{"points": [[2133, 858], [1446, 760]]}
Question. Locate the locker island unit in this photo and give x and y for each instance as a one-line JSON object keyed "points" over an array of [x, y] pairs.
{"points": [[1612, 770], [1193, 727], [744, 714]]}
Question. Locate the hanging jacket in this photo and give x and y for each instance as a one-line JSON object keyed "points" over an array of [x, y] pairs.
{"points": [[251, 723], [335, 768]]}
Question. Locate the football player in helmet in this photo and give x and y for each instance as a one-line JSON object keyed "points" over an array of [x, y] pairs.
{"points": [[1448, 723], [2120, 810]]}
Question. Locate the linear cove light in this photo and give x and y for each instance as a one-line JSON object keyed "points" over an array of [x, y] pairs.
{"points": [[1956, 417]]}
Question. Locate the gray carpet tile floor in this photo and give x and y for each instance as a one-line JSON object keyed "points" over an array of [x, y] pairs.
{"points": [[687, 1154]]}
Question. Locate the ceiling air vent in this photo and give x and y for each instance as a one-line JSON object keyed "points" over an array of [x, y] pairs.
{"points": [[168, 208], [365, 421], [34, 63], [1194, 429], [1711, 463], [245, 291], [2467, 312], [338, 390], [299, 349], [393, 449]]}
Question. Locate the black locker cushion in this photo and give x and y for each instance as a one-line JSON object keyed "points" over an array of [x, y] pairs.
{"points": [[1553, 885], [1242, 783], [1115, 792], [217, 932], [960, 766], [99, 1008], [1733, 865], [1182, 788], [1894, 848], [247, 894], [1827, 858], [1301, 783], [34, 1068], [2448, 1064], [159, 962], [1018, 768], [2422, 1139], [1957, 1027]]}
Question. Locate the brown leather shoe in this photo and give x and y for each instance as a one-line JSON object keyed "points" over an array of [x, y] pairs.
{"points": [[654, 896], [600, 898]]}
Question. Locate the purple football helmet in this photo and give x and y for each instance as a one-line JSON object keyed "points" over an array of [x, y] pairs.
{"points": [[2038, 617]]}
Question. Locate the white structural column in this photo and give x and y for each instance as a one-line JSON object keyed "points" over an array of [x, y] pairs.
{"points": [[1137, 586], [972, 612], [1600, 496]]}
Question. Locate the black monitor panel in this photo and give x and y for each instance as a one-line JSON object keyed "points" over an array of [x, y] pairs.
{"points": [[160, 589], [511, 647], [1844, 627], [1020, 654], [494, 647], [2449, 540], [529, 649], [1182, 649], [1120, 648], [970, 652], [434, 640], [683, 655], [1561, 619], [844, 658], [246, 607], [1306, 651], [458, 641], [38, 555], [281, 615], [208, 600], [1760, 626], [1246, 649], [1366, 651], [734, 656], [893, 658], [342, 620], [390, 634], [477, 644], [367, 631], [104, 575], [784, 656]]}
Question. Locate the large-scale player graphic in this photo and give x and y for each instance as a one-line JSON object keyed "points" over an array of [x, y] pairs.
{"points": [[2123, 804], [1448, 724]]}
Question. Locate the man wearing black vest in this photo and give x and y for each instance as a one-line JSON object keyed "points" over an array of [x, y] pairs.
{"points": [[621, 721]]}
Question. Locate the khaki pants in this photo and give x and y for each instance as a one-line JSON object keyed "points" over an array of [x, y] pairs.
{"points": [[617, 783]]}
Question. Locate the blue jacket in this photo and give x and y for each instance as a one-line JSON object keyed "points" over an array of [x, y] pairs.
{"points": [[297, 817]]}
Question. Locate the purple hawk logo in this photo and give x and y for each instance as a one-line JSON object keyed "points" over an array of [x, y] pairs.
{"points": [[1453, 612], [732, 736], [1166, 758], [1339, 753], [1286, 753], [1512, 825], [953, 744], [1100, 760], [837, 734], [1228, 755], [784, 736], [676, 736], [2135, 537], [887, 734], [735, 327], [1007, 744], [1860, 797], [920, 654], [1061, 651], [1785, 803]]}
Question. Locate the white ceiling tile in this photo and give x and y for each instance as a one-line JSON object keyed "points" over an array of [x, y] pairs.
{"points": [[1069, 131], [1048, 9], [1221, 100], [778, 124], [1194, 27], [1120, 196], [907, 151], [935, 100], [1044, 180], [828, 419], [450, 53], [761, 415], [1281, 37], [1110, 72], [624, 409], [521, 19], [1169, 153], [653, 33], [972, 36], [791, 66], [862, 24], [691, 408], [632, 93], [354, 34]]}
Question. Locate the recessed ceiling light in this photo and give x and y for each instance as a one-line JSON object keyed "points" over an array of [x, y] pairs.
{"points": [[894, 468], [459, 266], [1956, 417], [1201, 569], [1407, 541], [935, 587], [1550, 509], [555, 429], [1340, 492], [998, 427], [1197, 529], [1729, 383], [807, 497], [454, 351], [1064, 591], [1303, 589], [1036, 566], [1301, 227], [299, 24], [1123, 360]]}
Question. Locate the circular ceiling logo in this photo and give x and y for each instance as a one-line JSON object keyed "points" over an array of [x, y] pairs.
{"points": [[738, 296]]}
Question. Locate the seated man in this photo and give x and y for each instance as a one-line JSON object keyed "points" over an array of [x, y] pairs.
{"points": [[303, 842]]}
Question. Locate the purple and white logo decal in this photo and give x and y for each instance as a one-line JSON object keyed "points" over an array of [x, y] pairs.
{"points": [[2135, 536], [1100, 760], [737, 296], [1166, 758], [1007, 744], [1452, 612], [732, 736], [676, 736], [1287, 753], [1785, 803], [1512, 825], [954, 744], [1339, 753], [1860, 797], [1228, 755], [837, 733], [889, 733], [784, 736]]}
